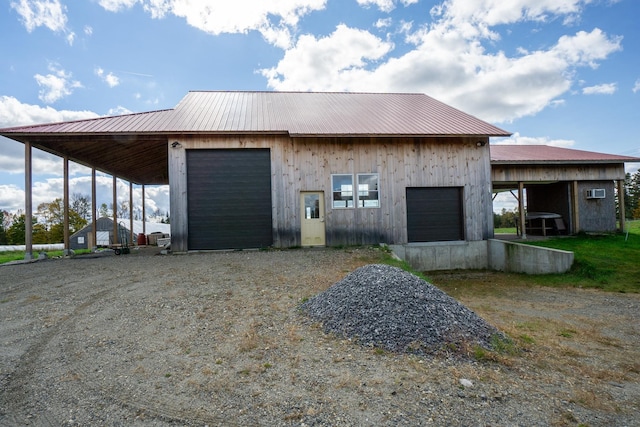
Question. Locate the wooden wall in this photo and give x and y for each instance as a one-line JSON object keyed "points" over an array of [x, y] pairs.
{"points": [[306, 164], [553, 172]]}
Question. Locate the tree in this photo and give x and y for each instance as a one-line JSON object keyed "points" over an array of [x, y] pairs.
{"points": [[52, 227], [632, 199], [15, 233], [123, 210], [81, 204], [3, 228], [103, 212], [505, 219]]}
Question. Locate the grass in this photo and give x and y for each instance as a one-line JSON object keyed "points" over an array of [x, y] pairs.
{"points": [[505, 230], [19, 255], [610, 262]]}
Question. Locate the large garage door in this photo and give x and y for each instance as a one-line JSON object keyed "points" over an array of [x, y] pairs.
{"points": [[434, 214], [229, 199]]}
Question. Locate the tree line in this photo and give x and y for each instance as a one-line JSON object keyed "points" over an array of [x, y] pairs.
{"points": [[48, 220]]}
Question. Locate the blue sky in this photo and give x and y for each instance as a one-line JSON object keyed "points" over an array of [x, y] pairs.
{"points": [[557, 72]]}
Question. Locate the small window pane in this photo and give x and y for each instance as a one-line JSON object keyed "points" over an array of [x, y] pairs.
{"points": [[342, 191], [311, 206], [368, 194]]}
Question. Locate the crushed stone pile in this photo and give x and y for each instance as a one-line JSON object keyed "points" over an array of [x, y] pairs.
{"points": [[387, 307]]}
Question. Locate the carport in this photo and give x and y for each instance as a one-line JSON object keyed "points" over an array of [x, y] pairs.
{"points": [[103, 145], [551, 183]]}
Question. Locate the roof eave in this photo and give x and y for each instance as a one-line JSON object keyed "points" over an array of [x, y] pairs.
{"points": [[564, 162]]}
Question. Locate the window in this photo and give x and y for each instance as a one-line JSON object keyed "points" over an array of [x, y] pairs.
{"points": [[368, 194], [342, 188], [342, 191]]}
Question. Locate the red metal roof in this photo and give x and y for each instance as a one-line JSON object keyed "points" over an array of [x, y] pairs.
{"points": [[531, 154], [295, 113]]}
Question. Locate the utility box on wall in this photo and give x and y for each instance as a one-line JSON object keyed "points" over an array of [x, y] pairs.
{"points": [[596, 193]]}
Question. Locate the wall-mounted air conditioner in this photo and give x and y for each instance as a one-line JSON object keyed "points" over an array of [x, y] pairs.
{"points": [[596, 193]]}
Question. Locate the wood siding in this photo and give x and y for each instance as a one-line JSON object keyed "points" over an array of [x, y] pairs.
{"points": [[501, 173], [306, 164]]}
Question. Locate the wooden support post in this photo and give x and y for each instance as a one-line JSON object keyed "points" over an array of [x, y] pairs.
{"points": [[28, 203], [576, 208], [523, 228], [131, 233], [621, 204], [144, 214], [115, 211], [94, 210], [65, 198]]}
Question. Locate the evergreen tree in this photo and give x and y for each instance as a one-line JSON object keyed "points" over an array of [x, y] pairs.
{"points": [[15, 233], [632, 202], [3, 230]]}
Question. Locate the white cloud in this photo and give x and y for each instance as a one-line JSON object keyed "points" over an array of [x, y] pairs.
{"points": [[636, 86], [274, 19], [119, 111], [517, 139], [12, 160], [16, 113], [56, 85], [43, 13], [383, 5], [117, 5], [11, 198], [49, 188], [383, 23], [110, 79], [324, 63], [450, 60], [603, 89]]}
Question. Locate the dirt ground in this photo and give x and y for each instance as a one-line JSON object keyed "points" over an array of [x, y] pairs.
{"points": [[217, 339]]}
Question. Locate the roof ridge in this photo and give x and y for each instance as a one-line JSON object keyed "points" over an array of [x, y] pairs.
{"points": [[306, 91]]}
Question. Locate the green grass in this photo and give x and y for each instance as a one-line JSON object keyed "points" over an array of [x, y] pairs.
{"points": [[610, 261], [19, 255], [505, 230]]}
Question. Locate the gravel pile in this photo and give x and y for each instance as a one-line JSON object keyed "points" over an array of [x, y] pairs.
{"points": [[383, 306]]}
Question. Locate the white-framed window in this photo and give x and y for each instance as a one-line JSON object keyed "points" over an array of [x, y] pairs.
{"points": [[342, 191], [368, 192]]}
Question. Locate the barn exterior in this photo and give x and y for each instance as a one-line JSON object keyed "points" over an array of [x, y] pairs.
{"points": [[273, 169], [284, 169]]}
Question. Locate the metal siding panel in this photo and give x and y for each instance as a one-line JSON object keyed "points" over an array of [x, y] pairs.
{"points": [[229, 199], [434, 214]]}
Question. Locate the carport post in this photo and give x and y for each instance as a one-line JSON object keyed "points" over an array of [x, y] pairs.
{"points": [[94, 207], [621, 204], [144, 215], [576, 207], [115, 209], [28, 204], [65, 218], [131, 240], [523, 228]]}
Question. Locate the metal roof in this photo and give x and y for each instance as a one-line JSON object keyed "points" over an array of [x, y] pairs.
{"points": [[135, 146], [295, 113], [544, 154]]}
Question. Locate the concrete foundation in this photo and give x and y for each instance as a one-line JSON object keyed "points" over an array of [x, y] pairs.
{"points": [[491, 254], [520, 258]]}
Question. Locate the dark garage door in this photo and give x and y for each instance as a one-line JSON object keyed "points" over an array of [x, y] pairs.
{"points": [[229, 199], [434, 214]]}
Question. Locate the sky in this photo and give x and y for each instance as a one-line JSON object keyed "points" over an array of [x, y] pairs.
{"points": [[556, 72]]}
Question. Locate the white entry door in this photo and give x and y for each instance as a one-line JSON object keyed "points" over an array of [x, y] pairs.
{"points": [[312, 228]]}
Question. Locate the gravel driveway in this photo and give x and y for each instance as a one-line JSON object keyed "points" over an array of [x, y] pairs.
{"points": [[218, 339]]}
